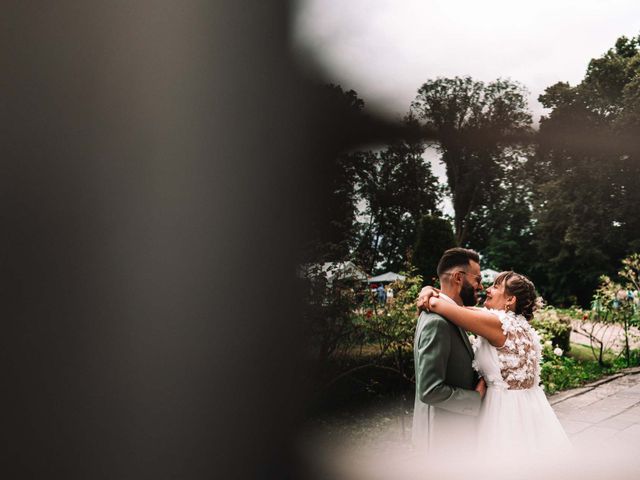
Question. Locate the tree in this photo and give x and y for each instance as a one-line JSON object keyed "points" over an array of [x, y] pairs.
{"points": [[434, 236], [371, 200], [575, 237], [586, 194], [397, 188], [505, 235], [334, 227], [471, 120]]}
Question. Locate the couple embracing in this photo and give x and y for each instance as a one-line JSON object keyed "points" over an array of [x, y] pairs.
{"points": [[482, 397]]}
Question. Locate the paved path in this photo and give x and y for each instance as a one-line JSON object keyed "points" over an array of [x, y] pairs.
{"points": [[602, 420], [606, 411], [612, 334]]}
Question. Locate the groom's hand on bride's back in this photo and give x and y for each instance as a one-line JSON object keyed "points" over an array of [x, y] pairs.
{"points": [[423, 298], [481, 388]]}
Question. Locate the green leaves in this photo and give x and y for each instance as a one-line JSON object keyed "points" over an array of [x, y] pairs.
{"points": [[434, 236], [391, 327], [613, 304], [397, 188], [585, 202], [472, 121]]}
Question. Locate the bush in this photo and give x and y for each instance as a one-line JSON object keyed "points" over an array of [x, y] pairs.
{"points": [[553, 325], [329, 306], [391, 327], [564, 372], [615, 302], [558, 371]]}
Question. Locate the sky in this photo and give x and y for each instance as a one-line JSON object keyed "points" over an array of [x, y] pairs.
{"points": [[386, 49]]}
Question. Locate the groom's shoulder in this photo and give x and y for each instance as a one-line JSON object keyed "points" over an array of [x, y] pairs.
{"points": [[432, 318], [432, 325]]}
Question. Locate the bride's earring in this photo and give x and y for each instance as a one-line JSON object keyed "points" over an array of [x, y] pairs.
{"points": [[507, 307]]}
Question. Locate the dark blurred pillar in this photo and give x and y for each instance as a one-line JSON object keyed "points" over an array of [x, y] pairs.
{"points": [[151, 171]]}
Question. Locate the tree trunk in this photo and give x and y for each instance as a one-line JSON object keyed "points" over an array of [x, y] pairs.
{"points": [[626, 342]]}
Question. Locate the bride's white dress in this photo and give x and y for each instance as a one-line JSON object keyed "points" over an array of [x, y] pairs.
{"points": [[515, 413]]}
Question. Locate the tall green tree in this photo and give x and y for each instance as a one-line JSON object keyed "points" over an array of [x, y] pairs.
{"points": [[586, 195], [335, 229], [507, 240], [433, 237], [471, 120], [397, 188]]}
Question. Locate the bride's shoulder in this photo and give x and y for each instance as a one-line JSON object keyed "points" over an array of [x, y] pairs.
{"points": [[501, 314], [511, 322], [498, 313]]}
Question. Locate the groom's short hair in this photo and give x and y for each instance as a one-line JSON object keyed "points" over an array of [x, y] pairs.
{"points": [[456, 257]]}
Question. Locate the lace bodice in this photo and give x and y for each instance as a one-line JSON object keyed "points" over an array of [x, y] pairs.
{"points": [[516, 364]]}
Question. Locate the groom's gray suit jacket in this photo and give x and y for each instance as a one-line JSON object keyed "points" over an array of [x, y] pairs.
{"points": [[446, 404]]}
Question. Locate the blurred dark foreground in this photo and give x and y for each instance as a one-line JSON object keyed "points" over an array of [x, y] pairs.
{"points": [[159, 160]]}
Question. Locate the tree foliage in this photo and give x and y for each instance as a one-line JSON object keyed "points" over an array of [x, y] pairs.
{"points": [[334, 220], [505, 236], [434, 236], [372, 200], [563, 210], [586, 195], [471, 119], [397, 188]]}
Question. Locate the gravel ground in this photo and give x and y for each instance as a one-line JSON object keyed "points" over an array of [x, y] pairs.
{"points": [[384, 427]]}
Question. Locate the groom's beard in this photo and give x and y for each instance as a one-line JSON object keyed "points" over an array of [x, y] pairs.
{"points": [[468, 294]]}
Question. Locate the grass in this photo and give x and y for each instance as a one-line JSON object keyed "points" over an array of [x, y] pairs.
{"points": [[582, 353]]}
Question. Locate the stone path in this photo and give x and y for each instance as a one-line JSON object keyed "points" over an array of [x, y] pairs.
{"points": [[602, 420], [606, 411], [612, 335]]}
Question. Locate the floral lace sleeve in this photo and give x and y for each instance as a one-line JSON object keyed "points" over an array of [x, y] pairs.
{"points": [[519, 357]]}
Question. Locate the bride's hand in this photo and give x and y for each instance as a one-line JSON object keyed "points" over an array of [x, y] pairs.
{"points": [[433, 304], [425, 295], [481, 388]]}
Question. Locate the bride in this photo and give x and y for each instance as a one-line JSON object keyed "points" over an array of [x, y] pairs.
{"points": [[515, 414]]}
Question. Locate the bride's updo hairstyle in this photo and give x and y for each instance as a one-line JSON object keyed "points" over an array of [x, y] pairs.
{"points": [[523, 289]]}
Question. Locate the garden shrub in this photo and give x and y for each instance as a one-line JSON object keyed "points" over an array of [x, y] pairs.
{"points": [[553, 326]]}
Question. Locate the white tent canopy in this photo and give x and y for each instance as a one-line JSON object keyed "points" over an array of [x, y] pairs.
{"points": [[336, 271], [343, 270], [387, 277], [489, 275]]}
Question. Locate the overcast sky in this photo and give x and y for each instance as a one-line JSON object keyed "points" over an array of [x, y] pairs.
{"points": [[386, 49]]}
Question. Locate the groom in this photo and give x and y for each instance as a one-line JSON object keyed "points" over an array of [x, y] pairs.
{"points": [[448, 392]]}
